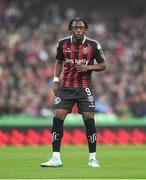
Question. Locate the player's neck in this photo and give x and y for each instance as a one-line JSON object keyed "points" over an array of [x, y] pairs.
{"points": [[77, 41]]}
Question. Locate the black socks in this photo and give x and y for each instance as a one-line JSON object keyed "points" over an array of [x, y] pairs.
{"points": [[57, 134], [91, 134]]}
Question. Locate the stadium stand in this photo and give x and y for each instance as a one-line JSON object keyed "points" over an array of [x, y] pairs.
{"points": [[28, 34]]}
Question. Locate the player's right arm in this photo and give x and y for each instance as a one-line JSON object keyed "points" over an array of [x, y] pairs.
{"points": [[58, 68], [57, 72]]}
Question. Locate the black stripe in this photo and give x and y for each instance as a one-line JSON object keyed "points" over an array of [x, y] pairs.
{"points": [[84, 57], [89, 82], [76, 54], [67, 56]]}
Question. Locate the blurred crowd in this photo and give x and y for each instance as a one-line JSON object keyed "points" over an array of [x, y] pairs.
{"points": [[28, 35]]}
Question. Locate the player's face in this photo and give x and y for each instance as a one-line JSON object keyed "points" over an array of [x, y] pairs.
{"points": [[78, 30]]}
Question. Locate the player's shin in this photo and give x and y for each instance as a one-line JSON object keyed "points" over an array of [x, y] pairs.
{"points": [[57, 134], [91, 136]]}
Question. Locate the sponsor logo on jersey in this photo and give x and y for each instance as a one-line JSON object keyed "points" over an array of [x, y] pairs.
{"points": [[76, 61], [70, 61]]}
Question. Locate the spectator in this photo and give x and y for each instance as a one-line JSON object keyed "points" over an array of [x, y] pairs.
{"points": [[27, 53]]}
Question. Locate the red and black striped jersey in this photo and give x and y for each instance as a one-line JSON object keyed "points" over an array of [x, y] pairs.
{"points": [[88, 52]]}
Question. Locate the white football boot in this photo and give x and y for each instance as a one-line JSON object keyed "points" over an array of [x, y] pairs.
{"points": [[93, 163], [53, 162]]}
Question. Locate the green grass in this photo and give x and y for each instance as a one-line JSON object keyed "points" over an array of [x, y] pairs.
{"points": [[120, 162]]}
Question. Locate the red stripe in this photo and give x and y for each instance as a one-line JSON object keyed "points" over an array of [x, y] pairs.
{"points": [[84, 81], [80, 56], [67, 84], [64, 47], [76, 82], [84, 78]]}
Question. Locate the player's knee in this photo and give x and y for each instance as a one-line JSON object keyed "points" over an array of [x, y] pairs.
{"points": [[61, 114], [88, 115]]}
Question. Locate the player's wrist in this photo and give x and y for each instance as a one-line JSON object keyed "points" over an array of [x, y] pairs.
{"points": [[56, 79], [88, 67]]}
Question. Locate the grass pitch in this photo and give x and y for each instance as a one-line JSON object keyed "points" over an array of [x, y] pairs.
{"points": [[120, 162]]}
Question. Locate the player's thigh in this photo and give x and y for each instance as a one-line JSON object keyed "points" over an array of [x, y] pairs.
{"points": [[63, 108], [86, 108]]}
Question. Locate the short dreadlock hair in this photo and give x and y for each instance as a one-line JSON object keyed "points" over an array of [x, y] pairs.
{"points": [[77, 19]]}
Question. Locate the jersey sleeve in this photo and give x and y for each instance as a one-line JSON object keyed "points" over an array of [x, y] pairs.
{"points": [[59, 53], [98, 53]]}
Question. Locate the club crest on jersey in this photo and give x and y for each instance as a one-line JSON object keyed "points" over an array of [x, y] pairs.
{"points": [[85, 50], [57, 100]]}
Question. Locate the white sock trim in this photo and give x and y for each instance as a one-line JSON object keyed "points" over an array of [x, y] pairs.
{"points": [[92, 155], [56, 155]]}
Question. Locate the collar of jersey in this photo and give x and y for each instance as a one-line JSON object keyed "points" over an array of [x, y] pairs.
{"points": [[82, 41]]}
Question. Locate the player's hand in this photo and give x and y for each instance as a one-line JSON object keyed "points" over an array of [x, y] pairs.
{"points": [[81, 68], [55, 87]]}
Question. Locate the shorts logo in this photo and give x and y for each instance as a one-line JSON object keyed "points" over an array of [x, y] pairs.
{"points": [[91, 104], [90, 98], [57, 100]]}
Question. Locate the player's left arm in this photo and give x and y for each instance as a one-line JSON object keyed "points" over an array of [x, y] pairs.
{"points": [[100, 59], [95, 67]]}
